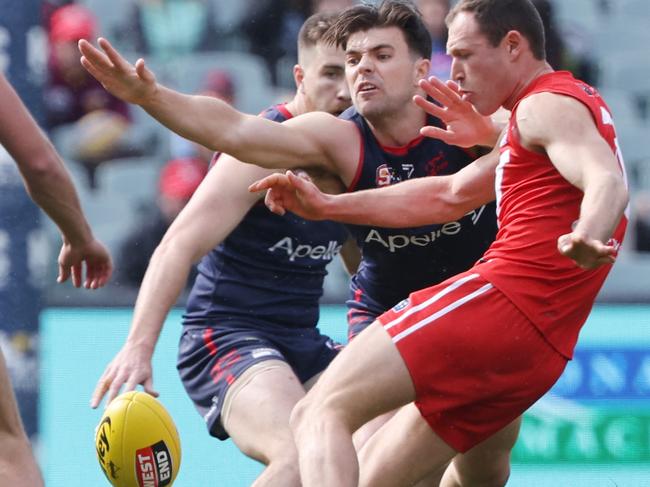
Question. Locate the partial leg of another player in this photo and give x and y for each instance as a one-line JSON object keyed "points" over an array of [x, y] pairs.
{"points": [[407, 435], [400, 453], [351, 392], [485, 465], [18, 466], [256, 416]]}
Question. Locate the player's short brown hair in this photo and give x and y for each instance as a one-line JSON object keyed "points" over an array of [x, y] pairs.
{"points": [[496, 18], [389, 13], [313, 29]]}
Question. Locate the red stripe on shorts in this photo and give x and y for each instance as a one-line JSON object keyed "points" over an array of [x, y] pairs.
{"points": [[208, 341]]}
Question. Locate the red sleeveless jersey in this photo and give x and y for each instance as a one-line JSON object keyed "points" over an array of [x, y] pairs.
{"points": [[535, 205]]}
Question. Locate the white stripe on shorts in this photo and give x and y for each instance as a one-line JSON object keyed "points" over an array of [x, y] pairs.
{"points": [[432, 299], [447, 309]]}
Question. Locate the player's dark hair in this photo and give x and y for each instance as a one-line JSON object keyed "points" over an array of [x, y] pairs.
{"points": [[496, 18], [389, 13]]}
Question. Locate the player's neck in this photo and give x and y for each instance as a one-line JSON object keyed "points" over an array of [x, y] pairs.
{"points": [[399, 128], [298, 105], [529, 74]]}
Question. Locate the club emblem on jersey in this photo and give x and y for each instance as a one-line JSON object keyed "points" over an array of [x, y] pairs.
{"points": [[437, 165], [385, 176], [587, 89]]}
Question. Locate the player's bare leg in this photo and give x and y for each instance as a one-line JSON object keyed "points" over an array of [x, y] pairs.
{"points": [[485, 465], [18, 466], [404, 452], [363, 434], [350, 393], [258, 421]]}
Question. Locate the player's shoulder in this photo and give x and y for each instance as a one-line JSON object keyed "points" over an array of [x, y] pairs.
{"points": [[549, 109], [323, 123], [546, 103]]}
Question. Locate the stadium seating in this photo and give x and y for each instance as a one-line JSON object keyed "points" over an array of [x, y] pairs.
{"points": [[252, 84]]}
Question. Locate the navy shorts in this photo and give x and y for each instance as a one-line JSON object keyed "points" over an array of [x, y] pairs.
{"points": [[211, 358], [362, 310]]}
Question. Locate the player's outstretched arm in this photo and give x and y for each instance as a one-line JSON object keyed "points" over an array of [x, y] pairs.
{"points": [[49, 184], [564, 128], [464, 125], [212, 122], [218, 205], [421, 201]]}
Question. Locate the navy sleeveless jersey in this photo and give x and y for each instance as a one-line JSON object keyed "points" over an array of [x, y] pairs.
{"points": [[397, 262], [270, 269]]}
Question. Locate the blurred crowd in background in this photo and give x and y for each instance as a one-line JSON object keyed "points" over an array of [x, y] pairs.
{"points": [[134, 176]]}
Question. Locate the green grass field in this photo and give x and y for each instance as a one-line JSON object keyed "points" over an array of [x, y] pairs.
{"points": [[583, 440]]}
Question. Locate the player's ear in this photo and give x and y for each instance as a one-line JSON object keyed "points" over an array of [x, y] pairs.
{"points": [[298, 75], [513, 41], [422, 67]]}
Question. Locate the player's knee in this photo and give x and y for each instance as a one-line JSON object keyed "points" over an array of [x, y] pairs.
{"points": [[299, 414], [287, 464], [496, 475], [279, 449], [309, 415]]}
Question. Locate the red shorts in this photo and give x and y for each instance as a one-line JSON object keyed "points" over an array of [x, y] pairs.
{"points": [[476, 361]]}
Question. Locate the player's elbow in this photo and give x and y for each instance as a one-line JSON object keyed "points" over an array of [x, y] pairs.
{"points": [[612, 184], [42, 172], [457, 201], [42, 167]]}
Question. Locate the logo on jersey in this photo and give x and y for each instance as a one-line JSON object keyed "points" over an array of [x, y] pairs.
{"points": [[386, 175], [297, 250], [401, 305], [587, 89], [395, 242], [438, 164], [265, 352]]}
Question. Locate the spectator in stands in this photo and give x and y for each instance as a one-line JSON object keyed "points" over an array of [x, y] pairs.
{"points": [[434, 13], [330, 6], [642, 222], [272, 30], [178, 180], [96, 120], [167, 28], [558, 54], [71, 92], [48, 7]]}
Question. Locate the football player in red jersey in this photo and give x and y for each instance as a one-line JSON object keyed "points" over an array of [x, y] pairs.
{"points": [[477, 350]]}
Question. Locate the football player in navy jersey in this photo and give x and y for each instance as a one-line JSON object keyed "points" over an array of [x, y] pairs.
{"points": [[249, 346], [378, 142]]}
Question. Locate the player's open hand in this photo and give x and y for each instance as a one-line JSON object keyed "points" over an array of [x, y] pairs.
{"points": [[289, 192], [587, 253], [132, 83], [464, 126], [130, 367], [93, 255]]}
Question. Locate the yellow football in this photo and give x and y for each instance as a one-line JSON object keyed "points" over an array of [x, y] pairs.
{"points": [[137, 442]]}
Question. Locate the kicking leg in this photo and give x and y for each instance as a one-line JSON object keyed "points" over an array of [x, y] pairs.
{"points": [[368, 378]]}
